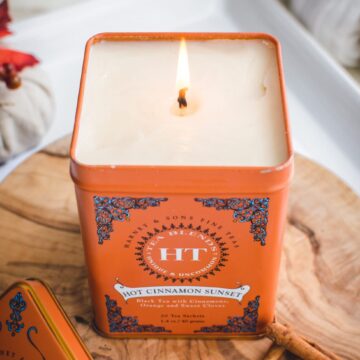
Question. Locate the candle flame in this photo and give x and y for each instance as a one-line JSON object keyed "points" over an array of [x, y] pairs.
{"points": [[182, 75]]}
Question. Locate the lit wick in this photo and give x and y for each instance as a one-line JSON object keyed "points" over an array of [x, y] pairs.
{"points": [[182, 75], [182, 98]]}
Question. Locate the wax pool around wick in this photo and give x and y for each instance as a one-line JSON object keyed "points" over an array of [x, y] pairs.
{"points": [[185, 107]]}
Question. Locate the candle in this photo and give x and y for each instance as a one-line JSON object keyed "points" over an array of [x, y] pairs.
{"points": [[130, 112], [181, 158]]}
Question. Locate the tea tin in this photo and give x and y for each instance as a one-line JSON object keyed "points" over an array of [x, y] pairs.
{"points": [[182, 251]]}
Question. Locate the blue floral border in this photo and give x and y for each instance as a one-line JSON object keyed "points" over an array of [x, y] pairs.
{"points": [[17, 305], [238, 324], [126, 324], [250, 210], [108, 209]]}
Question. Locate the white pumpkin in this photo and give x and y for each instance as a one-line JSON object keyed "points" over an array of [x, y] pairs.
{"points": [[25, 113]]}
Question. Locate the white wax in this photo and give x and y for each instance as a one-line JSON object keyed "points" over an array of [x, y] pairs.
{"points": [[129, 114]]}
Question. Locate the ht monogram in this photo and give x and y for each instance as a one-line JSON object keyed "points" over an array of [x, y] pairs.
{"points": [[177, 253]]}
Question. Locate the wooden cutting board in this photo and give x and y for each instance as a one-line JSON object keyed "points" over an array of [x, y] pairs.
{"points": [[320, 275]]}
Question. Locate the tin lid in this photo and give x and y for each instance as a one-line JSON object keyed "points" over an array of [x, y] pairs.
{"points": [[34, 326]]}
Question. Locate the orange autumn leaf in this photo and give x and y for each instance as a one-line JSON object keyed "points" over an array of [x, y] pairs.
{"points": [[17, 58], [4, 18], [11, 61]]}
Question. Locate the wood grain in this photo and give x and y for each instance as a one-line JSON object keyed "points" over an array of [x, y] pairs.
{"points": [[319, 282]]}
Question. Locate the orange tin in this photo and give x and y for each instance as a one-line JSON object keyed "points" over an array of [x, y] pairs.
{"points": [[34, 326], [182, 250]]}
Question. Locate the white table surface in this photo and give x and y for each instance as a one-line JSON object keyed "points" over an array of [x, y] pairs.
{"points": [[324, 101]]}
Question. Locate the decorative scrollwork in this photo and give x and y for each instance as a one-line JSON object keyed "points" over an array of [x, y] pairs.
{"points": [[126, 324], [238, 324], [17, 305], [31, 329], [108, 209], [250, 210]]}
